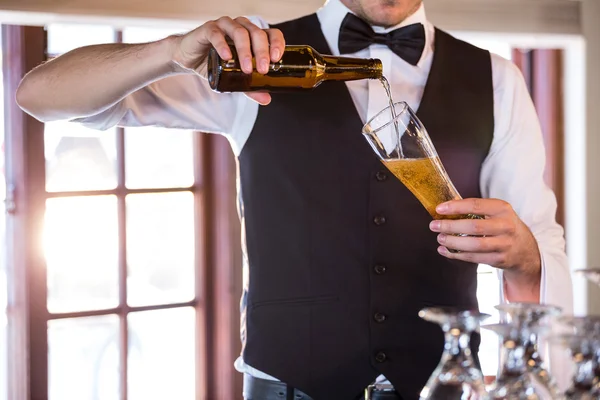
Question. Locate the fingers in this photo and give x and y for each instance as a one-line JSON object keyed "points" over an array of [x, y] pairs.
{"points": [[277, 43], [489, 207], [211, 33], [474, 227], [241, 39], [471, 244], [249, 40], [498, 260], [260, 44]]}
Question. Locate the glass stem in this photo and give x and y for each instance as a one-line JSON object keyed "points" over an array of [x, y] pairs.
{"points": [[531, 350], [456, 349], [515, 363], [584, 377]]}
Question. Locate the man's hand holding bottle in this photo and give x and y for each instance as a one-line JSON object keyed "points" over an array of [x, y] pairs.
{"points": [[91, 79], [264, 45]]}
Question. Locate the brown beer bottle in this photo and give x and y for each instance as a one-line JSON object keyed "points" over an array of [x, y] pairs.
{"points": [[300, 68]]}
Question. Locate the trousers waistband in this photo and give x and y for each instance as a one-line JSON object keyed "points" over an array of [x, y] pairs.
{"points": [[263, 389]]}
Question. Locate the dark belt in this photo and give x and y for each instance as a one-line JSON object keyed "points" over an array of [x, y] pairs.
{"points": [[381, 392], [262, 389]]}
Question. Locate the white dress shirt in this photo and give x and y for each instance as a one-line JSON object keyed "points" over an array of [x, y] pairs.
{"points": [[512, 171]]}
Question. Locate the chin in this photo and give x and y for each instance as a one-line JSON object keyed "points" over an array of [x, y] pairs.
{"points": [[387, 20], [389, 14], [383, 12]]}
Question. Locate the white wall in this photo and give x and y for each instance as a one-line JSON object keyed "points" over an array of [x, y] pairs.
{"points": [[512, 16], [192, 10], [535, 16], [591, 30]]}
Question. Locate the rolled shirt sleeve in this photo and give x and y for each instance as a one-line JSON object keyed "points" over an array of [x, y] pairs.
{"points": [[183, 102]]}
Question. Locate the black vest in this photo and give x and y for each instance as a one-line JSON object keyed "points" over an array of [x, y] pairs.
{"points": [[340, 254]]}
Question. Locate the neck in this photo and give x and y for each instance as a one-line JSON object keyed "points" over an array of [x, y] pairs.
{"points": [[386, 20]]}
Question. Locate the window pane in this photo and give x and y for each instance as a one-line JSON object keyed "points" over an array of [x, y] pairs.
{"points": [[162, 354], [158, 158], [66, 37], [160, 248], [83, 358], [143, 35], [78, 158], [81, 247]]}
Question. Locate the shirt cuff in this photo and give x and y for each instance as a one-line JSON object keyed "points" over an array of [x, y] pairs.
{"points": [[555, 283], [543, 285]]}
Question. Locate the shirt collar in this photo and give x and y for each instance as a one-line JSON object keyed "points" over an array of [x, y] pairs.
{"points": [[332, 13]]}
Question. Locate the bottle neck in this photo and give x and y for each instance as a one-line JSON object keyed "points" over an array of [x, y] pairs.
{"points": [[348, 68]]}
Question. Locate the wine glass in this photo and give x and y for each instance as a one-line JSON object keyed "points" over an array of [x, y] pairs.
{"points": [[592, 274], [456, 377], [583, 342], [513, 381], [529, 317]]}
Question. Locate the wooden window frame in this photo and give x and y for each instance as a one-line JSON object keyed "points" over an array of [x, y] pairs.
{"points": [[217, 250]]}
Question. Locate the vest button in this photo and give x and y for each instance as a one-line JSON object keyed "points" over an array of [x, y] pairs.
{"points": [[380, 357], [379, 220], [381, 176], [379, 317], [380, 269]]}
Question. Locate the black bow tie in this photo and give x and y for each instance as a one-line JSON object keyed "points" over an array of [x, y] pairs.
{"points": [[407, 42]]}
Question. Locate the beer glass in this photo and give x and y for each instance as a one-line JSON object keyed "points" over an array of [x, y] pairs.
{"points": [[401, 142], [456, 377]]}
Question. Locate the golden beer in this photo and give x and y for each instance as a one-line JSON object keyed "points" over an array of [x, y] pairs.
{"points": [[426, 179]]}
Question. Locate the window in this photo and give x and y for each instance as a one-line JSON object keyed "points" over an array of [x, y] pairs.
{"points": [[119, 242], [126, 302]]}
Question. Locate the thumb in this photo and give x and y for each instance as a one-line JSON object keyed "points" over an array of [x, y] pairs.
{"points": [[262, 98]]}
